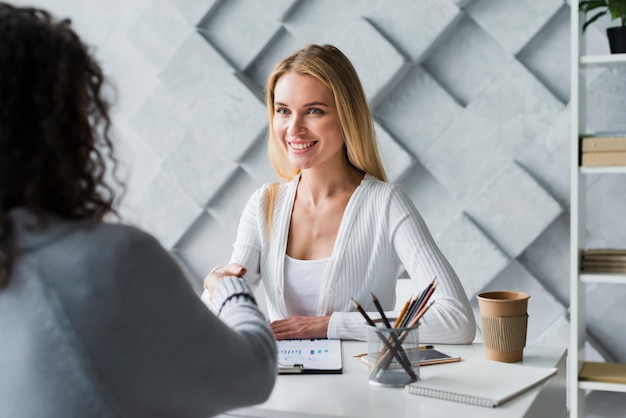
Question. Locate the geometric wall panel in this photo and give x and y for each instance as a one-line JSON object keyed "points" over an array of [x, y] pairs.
{"points": [[415, 25], [413, 111], [607, 90], [394, 158], [546, 256], [239, 28], [198, 169], [499, 124], [166, 211], [151, 39], [513, 209], [544, 54], [513, 26], [466, 60], [547, 159], [160, 121], [476, 258], [432, 200]]}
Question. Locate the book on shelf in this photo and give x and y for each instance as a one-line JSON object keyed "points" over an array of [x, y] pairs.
{"points": [[610, 252], [480, 382], [603, 158], [593, 371], [604, 260], [599, 143], [603, 269], [604, 264]]}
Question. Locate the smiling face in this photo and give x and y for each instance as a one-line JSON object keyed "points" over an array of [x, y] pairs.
{"points": [[307, 123]]}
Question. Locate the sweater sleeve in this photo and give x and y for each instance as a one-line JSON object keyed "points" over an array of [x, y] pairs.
{"points": [[169, 355]]}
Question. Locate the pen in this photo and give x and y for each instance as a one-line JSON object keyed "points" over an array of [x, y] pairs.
{"points": [[421, 347]]}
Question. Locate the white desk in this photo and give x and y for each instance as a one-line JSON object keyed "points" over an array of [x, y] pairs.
{"points": [[350, 395]]}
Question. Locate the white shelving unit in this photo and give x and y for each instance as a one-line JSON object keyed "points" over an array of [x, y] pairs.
{"points": [[578, 280]]}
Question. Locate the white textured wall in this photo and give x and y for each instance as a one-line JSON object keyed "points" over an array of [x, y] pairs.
{"points": [[471, 102]]}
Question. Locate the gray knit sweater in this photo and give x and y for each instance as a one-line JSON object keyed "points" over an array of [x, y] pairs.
{"points": [[99, 321]]}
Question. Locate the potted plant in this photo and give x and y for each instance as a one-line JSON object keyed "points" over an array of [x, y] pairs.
{"points": [[617, 10]]}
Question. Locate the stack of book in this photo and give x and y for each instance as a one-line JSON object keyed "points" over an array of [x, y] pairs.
{"points": [[604, 260], [603, 150]]}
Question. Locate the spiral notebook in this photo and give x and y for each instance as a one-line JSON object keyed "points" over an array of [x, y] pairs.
{"points": [[481, 382]]}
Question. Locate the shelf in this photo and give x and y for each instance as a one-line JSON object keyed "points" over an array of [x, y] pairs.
{"points": [[586, 375], [610, 60], [603, 170], [609, 387], [611, 278]]}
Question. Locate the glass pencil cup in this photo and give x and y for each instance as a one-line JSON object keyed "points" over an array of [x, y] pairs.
{"points": [[393, 355]]}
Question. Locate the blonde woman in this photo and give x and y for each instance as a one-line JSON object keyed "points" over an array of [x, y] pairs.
{"points": [[336, 229]]}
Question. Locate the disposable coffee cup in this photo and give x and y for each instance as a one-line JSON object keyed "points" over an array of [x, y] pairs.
{"points": [[504, 322]]}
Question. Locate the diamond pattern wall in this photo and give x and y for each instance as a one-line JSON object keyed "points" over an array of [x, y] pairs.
{"points": [[471, 105]]}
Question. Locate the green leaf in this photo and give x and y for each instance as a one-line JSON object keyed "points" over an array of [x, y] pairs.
{"points": [[593, 19], [588, 5], [617, 8]]}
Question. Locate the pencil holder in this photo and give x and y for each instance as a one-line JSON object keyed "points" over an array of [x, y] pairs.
{"points": [[393, 355]]}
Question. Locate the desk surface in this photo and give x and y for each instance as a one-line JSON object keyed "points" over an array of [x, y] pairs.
{"points": [[350, 395]]}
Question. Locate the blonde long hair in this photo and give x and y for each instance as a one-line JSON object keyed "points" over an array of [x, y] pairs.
{"points": [[332, 68]]}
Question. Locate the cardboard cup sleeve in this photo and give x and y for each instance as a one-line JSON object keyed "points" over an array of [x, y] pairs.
{"points": [[504, 333]]}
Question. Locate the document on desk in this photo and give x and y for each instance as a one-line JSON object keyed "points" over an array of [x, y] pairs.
{"points": [[481, 382], [309, 356]]}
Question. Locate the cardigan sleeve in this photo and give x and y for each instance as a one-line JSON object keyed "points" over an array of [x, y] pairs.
{"points": [[247, 246], [450, 320]]}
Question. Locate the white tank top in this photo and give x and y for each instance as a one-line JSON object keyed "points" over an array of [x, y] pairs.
{"points": [[303, 280]]}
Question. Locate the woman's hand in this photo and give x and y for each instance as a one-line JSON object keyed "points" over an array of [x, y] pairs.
{"points": [[300, 327], [217, 274]]}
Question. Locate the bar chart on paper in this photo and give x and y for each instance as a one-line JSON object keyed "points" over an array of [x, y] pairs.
{"points": [[309, 355]]}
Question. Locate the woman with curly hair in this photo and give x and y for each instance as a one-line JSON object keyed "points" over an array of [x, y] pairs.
{"points": [[96, 318]]}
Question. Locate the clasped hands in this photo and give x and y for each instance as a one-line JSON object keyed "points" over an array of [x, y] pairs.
{"points": [[284, 329]]}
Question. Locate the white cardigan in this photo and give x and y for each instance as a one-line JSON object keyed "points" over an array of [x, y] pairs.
{"points": [[381, 232]]}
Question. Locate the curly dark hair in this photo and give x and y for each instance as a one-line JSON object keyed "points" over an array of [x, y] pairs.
{"points": [[54, 125]]}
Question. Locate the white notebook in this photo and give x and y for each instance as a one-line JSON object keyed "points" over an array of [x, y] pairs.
{"points": [[480, 382]]}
